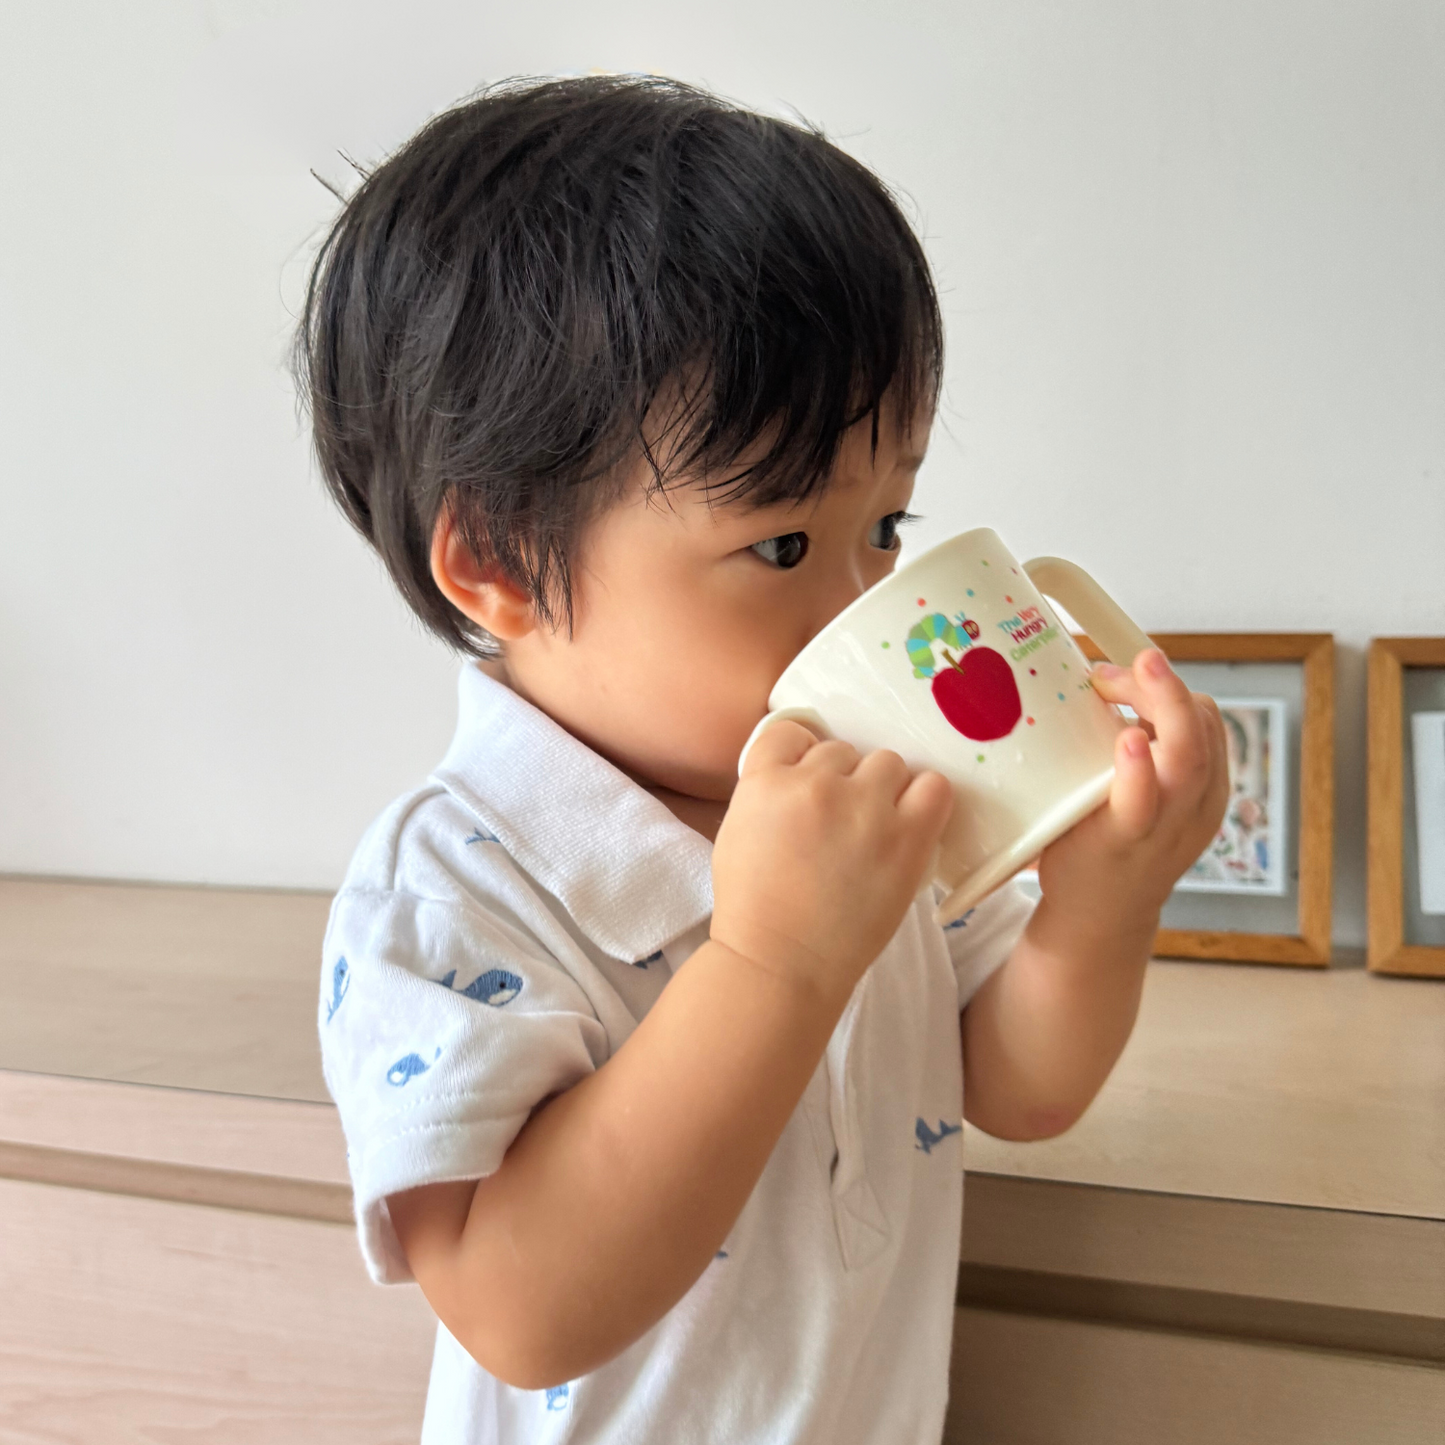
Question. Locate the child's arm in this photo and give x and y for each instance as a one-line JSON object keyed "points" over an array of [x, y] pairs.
{"points": [[1041, 1035], [616, 1194]]}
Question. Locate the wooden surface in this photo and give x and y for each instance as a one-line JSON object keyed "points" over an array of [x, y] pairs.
{"points": [[1366, 1263], [1323, 1089], [1242, 1240], [1029, 1380], [241, 1133], [268, 1156], [1317, 801], [1316, 652], [196, 988], [1320, 1088], [1388, 951], [135, 1322]]}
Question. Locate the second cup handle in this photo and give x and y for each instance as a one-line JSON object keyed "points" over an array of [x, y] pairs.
{"points": [[1119, 637]]}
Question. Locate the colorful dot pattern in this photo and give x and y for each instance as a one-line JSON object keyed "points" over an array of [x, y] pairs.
{"points": [[1033, 671]]}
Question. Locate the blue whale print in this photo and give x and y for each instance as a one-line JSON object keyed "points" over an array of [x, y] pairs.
{"points": [[404, 1070], [340, 982], [557, 1397], [482, 836], [496, 986], [960, 922], [651, 958], [927, 1138]]}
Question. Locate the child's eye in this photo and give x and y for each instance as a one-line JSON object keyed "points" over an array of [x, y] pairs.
{"points": [[885, 533], [785, 551]]}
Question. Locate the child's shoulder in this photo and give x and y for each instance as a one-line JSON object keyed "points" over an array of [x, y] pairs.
{"points": [[432, 897], [430, 862], [424, 840]]}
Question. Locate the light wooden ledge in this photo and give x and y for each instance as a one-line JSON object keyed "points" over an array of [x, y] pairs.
{"points": [[194, 988], [1320, 1090], [1242, 1239], [1257, 1121], [1321, 1278], [264, 1156], [1324, 1090]]}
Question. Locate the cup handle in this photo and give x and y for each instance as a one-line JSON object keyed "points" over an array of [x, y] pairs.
{"points": [[789, 714], [1119, 637]]}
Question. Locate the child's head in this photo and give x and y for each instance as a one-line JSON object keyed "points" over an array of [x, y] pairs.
{"points": [[579, 353]]}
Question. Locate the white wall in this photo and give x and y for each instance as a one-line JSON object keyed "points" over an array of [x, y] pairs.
{"points": [[1193, 258]]}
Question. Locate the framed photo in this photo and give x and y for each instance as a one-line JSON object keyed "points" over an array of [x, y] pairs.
{"points": [[1247, 854], [1262, 891], [1406, 870]]}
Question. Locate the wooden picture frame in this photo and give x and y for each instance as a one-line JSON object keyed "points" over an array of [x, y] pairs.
{"points": [[1310, 945], [1388, 951]]}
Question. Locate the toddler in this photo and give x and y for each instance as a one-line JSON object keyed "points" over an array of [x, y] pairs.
{"points": [[653, 1077]]}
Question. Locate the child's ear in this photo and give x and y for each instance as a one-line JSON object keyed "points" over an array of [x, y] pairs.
{"points": [[483, 594]]}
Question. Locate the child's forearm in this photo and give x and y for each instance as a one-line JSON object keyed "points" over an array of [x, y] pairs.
{"points": [[1040, 1037], [618, 1193]]}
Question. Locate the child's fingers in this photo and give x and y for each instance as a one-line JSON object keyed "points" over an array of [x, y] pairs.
{"points": [[1149, 685], [781, 743], [1115, 684], [927, 804], [1134, 796], [1182, 755], [1218, 752], [833, 754], [1119, 686], [888, 768]]}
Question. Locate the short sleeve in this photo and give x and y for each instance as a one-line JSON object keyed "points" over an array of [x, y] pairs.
{"points": [[983, 938], [442, 1027]]}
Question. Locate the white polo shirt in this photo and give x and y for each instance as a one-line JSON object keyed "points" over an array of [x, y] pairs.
{"points": [[500, 933]]}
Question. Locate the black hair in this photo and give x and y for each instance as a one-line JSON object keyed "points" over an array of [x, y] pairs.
{"points": [[505, 302]]}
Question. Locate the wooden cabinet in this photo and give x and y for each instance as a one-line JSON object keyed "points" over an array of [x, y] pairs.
{"points": [[141, 1320], [1243, 1241], [181, 1266], [1035, 1380]]}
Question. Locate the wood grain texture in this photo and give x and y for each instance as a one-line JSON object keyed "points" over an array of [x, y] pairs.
{"points": [[1320, 1087], [264, 1155], [1323, 1088], [1384, 882], [133, 1322], [196, 988], [1317, 801], [1320, 1257], [1208, 943], [1415, 960], [197, 1129], [146, 1179], [1023, 1379], [1315, 651], [1385, 901], [1259, 1318]]}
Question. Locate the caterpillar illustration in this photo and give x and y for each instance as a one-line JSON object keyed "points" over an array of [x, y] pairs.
{"points": [[936, 628]]}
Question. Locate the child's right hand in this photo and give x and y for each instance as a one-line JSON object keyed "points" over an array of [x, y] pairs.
{"points": [[820, 855]]}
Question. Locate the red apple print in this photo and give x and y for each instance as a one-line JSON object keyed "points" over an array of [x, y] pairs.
{"points": [[978, 695]]}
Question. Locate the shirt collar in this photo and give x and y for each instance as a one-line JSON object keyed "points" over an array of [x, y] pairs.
{"points": [[631, 874]]}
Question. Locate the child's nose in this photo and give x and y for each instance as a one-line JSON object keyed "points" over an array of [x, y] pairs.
{"points": [[847, 586]]}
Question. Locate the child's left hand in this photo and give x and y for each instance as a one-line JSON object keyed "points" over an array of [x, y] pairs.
{"points": [[1166, 803]]}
